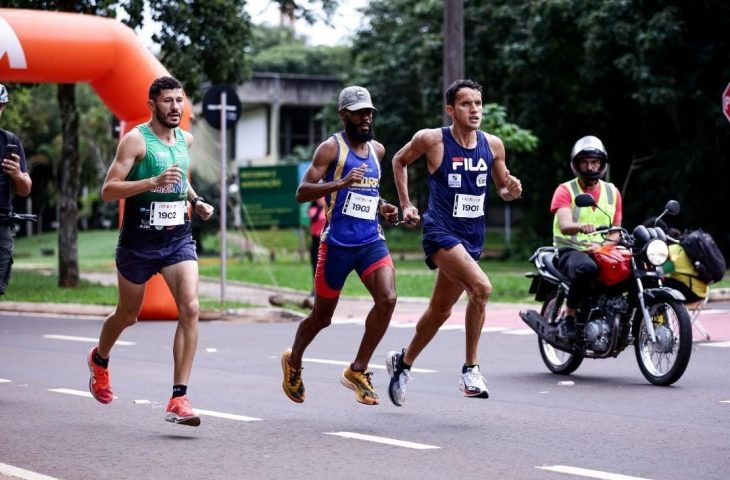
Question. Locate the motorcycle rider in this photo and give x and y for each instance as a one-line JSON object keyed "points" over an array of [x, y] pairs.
{"points": [[573, 225]]}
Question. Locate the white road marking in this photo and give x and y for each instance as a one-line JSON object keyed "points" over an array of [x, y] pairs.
{"points": [[348, 321], [520, 331], [372, 366], [229, 416], [15, 472], [85, 339], [68, 391], [494, 329], [211, 350], [584, 472], [2, 380], [384, 440], [715, 344], [724, 401], [210, 413]]}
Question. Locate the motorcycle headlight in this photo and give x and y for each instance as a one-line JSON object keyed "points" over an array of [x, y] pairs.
{"points": [[657, 252]]}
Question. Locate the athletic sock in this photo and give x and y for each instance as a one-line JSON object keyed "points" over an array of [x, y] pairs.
{"points": [[102, 362], [402, 364], [179, 390], [467, 367]]}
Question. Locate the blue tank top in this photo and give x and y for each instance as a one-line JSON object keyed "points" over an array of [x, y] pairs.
{"points": [[457, 201], [352, 213]]}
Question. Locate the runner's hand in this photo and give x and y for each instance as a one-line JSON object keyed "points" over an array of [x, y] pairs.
{"points": [[389, 212], [355, 175], [204, 210], [410, 215], [171, 176], [513, 185]]}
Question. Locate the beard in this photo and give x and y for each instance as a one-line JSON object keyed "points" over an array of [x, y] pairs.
{"points": [[355, 134], [162, 118]]}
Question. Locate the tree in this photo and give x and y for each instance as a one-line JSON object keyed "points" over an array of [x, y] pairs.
{"points": [[646, 77], [200, 40], [203, 41]]}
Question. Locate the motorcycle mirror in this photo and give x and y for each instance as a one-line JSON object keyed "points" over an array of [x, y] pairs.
{"points": [[584, 200], [672, 207]]}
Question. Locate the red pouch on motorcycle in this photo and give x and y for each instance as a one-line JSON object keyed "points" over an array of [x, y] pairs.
{"points": [[614, 264]]}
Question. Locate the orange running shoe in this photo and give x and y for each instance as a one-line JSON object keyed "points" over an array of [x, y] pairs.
{"points": [[361, 384], [99, 383], [180, 411], [293, 386]]}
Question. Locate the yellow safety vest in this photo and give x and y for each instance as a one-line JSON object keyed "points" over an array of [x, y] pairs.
{"points": [[606, 202]]}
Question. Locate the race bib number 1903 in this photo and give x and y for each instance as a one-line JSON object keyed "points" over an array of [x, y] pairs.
{"points": [[167, 213], [360, 206]]}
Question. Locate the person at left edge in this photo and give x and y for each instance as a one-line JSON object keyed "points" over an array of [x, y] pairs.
{"points": [[150, 171], [346, 171], [13, 178]]}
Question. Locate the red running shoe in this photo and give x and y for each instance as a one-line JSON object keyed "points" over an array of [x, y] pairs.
{"points": [[99, 383], [180, 411]]}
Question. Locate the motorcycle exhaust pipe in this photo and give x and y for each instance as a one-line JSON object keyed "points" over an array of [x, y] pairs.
{"points": [[546, 331]]}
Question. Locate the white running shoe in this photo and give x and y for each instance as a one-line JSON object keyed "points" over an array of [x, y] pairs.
{"points": [[472, 383], [399, 377]]}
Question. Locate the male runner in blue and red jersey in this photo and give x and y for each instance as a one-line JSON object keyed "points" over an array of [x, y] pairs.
{"points": [[346, 171], [460, 160]]}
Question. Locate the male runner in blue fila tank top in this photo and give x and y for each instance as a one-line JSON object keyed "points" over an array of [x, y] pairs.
{"points": [[346, 171], [460, 160], [150, 172]]}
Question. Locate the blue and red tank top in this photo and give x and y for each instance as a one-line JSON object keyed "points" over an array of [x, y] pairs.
{"points": [[458, 189], [352, 212]]}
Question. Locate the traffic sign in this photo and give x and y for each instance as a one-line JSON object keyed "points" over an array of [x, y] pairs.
{"points": [[726, 102], [212, 106]]}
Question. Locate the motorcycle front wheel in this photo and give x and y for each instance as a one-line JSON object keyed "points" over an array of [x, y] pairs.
{"points": [[664, 362], [557, 361]]}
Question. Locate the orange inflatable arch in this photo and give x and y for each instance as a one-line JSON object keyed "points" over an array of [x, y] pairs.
{"points": [[54, 47]]}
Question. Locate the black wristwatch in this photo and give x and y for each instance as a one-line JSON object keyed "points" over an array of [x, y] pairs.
{"points": [[195, 201]]}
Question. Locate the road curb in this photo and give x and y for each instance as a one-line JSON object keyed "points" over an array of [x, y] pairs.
{"points": [[241, 315]]}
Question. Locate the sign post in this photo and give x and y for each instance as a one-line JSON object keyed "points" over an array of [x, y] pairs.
{"points": [[218, 116], [726, 102]]}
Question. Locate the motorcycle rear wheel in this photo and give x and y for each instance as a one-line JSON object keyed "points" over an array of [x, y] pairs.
{"points": [[557, 361], [664, 363]]}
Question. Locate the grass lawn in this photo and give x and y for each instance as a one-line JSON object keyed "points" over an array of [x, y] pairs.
{"points": [[289, 266]]}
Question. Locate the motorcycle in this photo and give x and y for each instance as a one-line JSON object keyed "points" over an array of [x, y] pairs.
{"points": [[627, 304]]}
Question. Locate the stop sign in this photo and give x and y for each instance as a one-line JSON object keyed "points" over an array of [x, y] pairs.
{"points": [[726, 102]]}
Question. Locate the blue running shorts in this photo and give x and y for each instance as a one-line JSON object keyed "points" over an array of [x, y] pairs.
{"points": [[335, 263], [138, 266], [435, 239]]}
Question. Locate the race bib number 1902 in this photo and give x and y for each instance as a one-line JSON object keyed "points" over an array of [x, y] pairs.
{"points": [[360, 206], [167, 213]]}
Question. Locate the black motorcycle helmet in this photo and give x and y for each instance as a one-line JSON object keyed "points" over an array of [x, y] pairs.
{"points": [[589, 146]]}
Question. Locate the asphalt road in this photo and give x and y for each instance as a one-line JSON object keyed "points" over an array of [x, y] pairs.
{"points": [[605, 422]]}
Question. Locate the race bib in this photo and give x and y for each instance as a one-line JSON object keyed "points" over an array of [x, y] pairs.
{"points": [[167, 213], [469, 206], [360, 206]]}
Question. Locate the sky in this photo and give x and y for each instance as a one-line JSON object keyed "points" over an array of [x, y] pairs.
{"points": [[345, 21]]}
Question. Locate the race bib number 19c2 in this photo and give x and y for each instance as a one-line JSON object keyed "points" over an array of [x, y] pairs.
{"points": [[360, 206], [164, 214]]}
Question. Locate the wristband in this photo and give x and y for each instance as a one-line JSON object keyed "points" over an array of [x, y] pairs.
{"points": [[195, 201]]}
